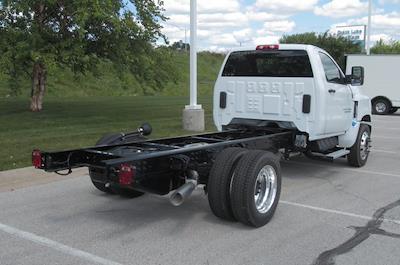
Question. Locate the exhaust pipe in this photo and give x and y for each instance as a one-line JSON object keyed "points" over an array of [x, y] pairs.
{"points": [[182, 193]]}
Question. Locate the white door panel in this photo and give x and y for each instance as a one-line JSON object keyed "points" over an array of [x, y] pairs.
{"points": [[338, 98]]}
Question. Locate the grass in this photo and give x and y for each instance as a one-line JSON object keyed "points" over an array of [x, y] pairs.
{"points": [[78, 122], [78, 110], [108, 82]]}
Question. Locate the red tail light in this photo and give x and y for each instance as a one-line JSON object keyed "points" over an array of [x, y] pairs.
{"points": [[268, 47], [126, 174], [36, 159]]}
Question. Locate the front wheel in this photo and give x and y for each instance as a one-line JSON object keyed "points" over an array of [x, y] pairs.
{"points": [[256, 188], [359, 152]]}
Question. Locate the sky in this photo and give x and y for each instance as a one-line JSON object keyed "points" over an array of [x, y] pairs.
{"points": [[223, 24]]}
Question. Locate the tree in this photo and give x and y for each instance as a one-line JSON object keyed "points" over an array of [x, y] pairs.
{"points": [[37, 35], [380, 47], [337, 47], [180, 46]]}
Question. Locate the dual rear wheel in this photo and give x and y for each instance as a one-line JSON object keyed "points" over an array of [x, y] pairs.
{"points": [[245, 186]]}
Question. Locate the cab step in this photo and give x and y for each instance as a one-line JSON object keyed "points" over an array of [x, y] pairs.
{"points": [[337, 154], [331, 156]]}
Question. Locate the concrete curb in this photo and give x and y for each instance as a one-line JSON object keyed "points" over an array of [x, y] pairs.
{"points": [[14, 179]]}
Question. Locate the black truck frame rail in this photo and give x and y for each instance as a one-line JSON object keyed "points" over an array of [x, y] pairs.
{"points": [[160, 166]]}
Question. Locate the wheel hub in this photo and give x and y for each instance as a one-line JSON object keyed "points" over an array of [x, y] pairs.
{"points": [[265, 189], [380, 107], [365, 145]]}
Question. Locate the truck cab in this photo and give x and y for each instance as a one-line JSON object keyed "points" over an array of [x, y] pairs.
{"points": [[291, 86]]}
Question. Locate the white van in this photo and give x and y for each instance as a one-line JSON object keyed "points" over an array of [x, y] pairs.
{"points": [[381, 82]]}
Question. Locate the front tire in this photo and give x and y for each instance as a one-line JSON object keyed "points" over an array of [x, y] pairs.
{"points": [[359, 152], [256, 188]]}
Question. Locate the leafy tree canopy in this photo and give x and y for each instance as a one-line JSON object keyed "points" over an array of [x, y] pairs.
{"points": [[36, 35], [381, 47], [337, 47], [180, 46]]}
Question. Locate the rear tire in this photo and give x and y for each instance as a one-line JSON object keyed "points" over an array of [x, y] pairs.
{"points": [[381, 106], [359, 152], [256, 188], [219, 182], [110, 139]]}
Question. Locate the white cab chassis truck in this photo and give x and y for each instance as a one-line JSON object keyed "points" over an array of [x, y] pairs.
{"points": [[381, 82], [270, 102]]}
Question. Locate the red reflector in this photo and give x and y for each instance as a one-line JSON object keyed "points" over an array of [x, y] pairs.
{"points": [[268, 47], [126, 174], [36, 159]]}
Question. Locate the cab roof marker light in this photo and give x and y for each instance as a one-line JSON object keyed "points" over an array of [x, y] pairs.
{"points": [[268, 47]]}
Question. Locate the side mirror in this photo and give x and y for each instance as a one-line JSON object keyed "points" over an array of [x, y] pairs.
{"points": [[357, 76]]}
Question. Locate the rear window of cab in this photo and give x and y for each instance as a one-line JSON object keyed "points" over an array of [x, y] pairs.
{"points": [[270, 63]]}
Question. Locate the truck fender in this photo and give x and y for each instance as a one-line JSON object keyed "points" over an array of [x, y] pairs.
{"points": [[348, 139]]}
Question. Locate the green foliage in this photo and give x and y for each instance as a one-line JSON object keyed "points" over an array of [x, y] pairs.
{"points": [[208, 66], [337, 47], [380, 47], [67, 123], [180, 46], [78, 34], [108, 80]]}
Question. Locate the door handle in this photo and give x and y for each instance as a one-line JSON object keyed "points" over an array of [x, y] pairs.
{"points": [[332, 91]]}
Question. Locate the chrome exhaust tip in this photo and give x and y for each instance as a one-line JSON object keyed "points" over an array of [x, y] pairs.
{"points": [[182, 193]]}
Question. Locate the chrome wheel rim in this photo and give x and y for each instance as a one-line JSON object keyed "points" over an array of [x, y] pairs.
{"points": [[364, 145], [265, 189], [380, 107]]}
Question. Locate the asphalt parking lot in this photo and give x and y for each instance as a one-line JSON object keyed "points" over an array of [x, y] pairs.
{"points": [[329, 213]]}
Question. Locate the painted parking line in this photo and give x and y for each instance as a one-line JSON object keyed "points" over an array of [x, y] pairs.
{"points": [[55, 245], [371, 172], [337, 212]]}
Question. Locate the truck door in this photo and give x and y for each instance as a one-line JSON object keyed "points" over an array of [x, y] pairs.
{"points": [[338, 98]]}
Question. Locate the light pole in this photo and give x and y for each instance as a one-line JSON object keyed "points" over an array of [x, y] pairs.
{"points": [[185, 39], [369, 27], [193, 114]]}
